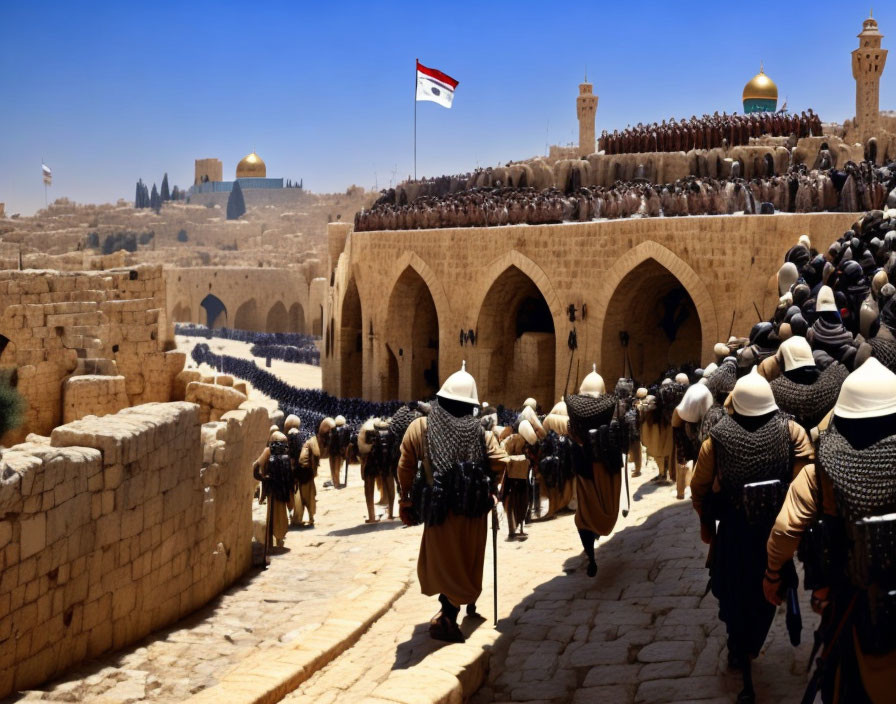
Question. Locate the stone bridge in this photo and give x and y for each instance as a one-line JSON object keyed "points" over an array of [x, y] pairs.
{"points": [[531, 308]]}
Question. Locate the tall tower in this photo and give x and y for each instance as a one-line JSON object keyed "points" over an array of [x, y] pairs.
{"points": [[867, 65], [586, 109]]}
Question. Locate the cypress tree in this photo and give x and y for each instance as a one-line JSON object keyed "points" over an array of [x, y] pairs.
{"points": [[236, 205], [165, 193], [154, 201], [175, 193]]}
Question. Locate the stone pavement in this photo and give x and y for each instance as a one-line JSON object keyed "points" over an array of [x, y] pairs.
{"points": [[641, 631], [303, 587]]}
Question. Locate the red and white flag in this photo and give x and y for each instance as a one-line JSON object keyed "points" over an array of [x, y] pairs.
{"points": [[435, 86]]}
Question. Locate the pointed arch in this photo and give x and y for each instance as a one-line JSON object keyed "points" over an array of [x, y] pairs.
{"points": [[677, 268], [215, 311], [513, 258], [277, 319], [411, 331]]}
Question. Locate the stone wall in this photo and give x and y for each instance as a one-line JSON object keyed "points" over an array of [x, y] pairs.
{"points": [[115, 527], [260, 299], [50, 320], [616, 272]]}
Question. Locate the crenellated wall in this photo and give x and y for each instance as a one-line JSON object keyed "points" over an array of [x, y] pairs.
{"points": [[114, 527]]}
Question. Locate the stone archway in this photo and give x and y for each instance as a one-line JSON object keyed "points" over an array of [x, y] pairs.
{"points": [[277, 319], [413, 335], [351, 343], [516, 342], [296, 318], [182, 313], [660, 319], [611, 284], [247, 317], [215, 311]]}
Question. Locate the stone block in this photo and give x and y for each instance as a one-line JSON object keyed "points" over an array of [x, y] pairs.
{"points": [[34, 535]]}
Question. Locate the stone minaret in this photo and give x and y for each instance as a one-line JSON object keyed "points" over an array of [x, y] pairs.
{"points": [[586, 109], [867, 65]]}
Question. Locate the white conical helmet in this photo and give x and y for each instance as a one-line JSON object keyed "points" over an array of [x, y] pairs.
{"points": [[339, 421], [752, 395], [682, 378], [805, 241], [528, 432], [460, 386], [292, 421], [788, 275], [593, 384], [825, 302], [531, 403], [796, 353], [696, 402], [869, 392], [641, 393], [710, 368], [559, 409], [528, 414]]}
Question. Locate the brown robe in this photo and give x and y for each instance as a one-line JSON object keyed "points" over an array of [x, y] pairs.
{"points": [[279, 516], [800, 510], [451, 554], [558, 498], [598, 500]]}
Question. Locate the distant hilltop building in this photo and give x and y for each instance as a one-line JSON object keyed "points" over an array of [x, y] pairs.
{"points": [[251, 172], [760, 94]]}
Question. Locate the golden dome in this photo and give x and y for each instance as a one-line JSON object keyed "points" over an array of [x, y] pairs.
{"points": [[251, 166], [760, 87]]}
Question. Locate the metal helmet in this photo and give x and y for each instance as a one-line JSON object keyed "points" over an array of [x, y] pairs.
{"points": [[531, 403], [460, 386], [528, 432], [593, 384], [869, 392], [795, 353], [752, 395]]}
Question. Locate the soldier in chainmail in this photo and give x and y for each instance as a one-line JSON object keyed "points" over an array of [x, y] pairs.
{"points": [[802, 390], [555, 466], [447, 476], [292, 427], [851, 489], [375, 449], [598, 466], [521, 446], [274, 471], [755, 444], [338, 443], [686, 420], [312, 452], [632, 421]]}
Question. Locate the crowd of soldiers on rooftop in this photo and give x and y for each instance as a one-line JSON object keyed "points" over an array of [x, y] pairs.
{"points": [[853, 188], [708, 132]]}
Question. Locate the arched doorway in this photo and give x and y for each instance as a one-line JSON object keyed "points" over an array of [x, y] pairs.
{"points": [[515, 344], [296, 318], [247, 317], [181, 313], [659, 316], [351, 345], [215, 311], [413, 334], [278, 319]]}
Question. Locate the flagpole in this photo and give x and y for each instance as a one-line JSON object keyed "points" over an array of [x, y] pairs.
{"points": [[416, 61]]}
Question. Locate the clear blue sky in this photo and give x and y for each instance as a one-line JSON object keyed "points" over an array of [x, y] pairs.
{"points": [[109, 92]]}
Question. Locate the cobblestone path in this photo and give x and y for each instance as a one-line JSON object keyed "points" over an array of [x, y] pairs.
{"points": [[641, 631], [303, 586]]}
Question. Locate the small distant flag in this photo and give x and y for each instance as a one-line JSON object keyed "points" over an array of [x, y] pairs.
{"points": [[435, 86], [47, 174]]}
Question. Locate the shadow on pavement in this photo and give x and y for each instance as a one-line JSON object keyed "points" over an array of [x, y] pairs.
{"points": [[362, 528]]}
